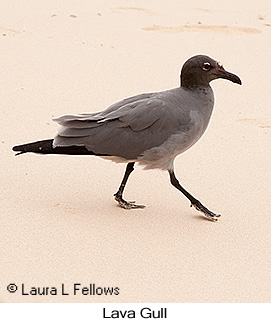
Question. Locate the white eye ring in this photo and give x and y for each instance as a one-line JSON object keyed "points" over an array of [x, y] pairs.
{"points": [[206, 66]]}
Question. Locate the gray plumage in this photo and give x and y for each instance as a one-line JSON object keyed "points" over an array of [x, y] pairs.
{"points": [[151, 128]]}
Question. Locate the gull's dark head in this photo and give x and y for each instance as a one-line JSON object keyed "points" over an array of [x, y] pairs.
{"points": [[200, 70]]}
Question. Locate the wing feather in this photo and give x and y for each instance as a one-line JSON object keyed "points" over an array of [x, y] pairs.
{"points": [[125, 129]]}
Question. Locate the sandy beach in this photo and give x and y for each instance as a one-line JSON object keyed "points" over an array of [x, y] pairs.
{"points": [[60, 226]]}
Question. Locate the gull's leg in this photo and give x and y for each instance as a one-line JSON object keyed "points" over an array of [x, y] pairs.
{"points": [[194, 202], [118, 196]]}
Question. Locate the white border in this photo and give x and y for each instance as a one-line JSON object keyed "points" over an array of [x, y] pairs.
{"points": [[188, 313]]}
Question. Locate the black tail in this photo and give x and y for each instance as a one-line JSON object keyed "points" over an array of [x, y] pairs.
{"points": [[46, 147]]}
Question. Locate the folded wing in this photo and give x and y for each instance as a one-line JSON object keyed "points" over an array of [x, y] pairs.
{"points": [[125, 129]]}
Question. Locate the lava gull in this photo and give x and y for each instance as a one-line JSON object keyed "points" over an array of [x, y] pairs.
{"points": [[150, 129]]}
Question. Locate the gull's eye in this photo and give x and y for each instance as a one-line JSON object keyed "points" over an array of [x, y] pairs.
{"points": [[206, 66]]}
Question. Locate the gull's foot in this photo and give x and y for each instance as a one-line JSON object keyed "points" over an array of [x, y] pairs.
{"points": [[207, 213], [127, 205]]}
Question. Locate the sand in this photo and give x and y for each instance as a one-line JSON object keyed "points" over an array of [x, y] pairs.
{"points": [[59, 222]]}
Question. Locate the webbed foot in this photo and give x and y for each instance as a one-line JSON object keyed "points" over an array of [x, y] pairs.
{"points": [[207, 213], [127, 205]]}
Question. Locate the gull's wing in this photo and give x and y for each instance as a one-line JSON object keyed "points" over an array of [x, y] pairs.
{"points": [[128, 128]]}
